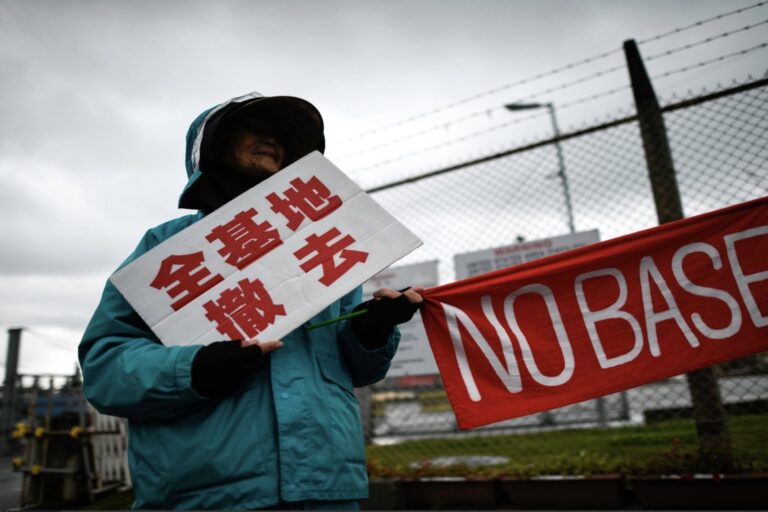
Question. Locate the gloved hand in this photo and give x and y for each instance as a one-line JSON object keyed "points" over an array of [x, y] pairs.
{"points": [[387, 309], [222, 367]]}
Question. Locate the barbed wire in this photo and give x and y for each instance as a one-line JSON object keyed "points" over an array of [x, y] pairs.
{"points": [[700, 23], [560, 87], [666, 74], [544, 74], [478, 113], [562, 106], [710, 61], [481, 95], [704, 41], [451, 142]]}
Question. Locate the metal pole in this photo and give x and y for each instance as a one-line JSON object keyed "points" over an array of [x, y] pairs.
{"points": [[561, 168], [600, 402], [711, 425], [9, 388], [602, 413]]}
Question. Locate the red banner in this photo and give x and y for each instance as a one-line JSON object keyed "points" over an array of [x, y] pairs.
{"points": [[603, 318]]}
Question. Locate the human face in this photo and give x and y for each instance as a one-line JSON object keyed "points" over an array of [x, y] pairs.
{"points": [[256, 153]]}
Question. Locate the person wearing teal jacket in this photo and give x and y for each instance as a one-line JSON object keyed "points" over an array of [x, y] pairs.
{"points": [[262, 424]]}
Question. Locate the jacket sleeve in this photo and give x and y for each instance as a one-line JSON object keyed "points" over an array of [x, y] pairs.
{"points": [[365, 366], [127, 371]]}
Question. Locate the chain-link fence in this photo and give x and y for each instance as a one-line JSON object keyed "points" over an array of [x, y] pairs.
{"points": [[720, 155]]}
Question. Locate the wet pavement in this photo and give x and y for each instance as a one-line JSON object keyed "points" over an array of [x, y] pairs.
{"points": [[10, 485]]}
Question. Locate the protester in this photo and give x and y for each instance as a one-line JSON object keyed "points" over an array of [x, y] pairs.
{"points": [[257, 424]]}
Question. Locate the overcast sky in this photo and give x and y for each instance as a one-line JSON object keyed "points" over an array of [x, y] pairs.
{"points": [[96, 98]]}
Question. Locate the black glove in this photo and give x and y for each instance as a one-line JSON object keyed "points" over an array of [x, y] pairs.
{"points": [[222, 367], [373, 328]]}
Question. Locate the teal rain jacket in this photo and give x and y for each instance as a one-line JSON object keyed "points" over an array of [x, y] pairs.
{"points": [[293, 433]]}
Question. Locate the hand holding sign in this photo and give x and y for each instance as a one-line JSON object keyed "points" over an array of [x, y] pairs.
{"points": [[412, 294], [265, 346], [387, 309], [223, 366]]}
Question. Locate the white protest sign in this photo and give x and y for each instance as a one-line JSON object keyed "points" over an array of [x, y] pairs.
{"points": [[479, 262], [267, 261], [413, 357]]}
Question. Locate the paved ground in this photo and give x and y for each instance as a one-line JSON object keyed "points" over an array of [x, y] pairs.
{"points": [[10, 485]]}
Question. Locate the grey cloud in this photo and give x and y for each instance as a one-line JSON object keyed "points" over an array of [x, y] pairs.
{"points": [[65, 300]]}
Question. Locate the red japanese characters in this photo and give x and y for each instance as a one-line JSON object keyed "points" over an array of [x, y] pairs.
{"points": [[325, 249], [310, 199], [185, 275], [245, 310], [244, 240]]}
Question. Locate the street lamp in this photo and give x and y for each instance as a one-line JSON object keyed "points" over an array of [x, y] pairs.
{"points": [[560, 160], [546, 417]]}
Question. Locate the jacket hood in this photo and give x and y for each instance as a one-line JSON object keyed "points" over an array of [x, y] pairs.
{"points": [[211, 183]]}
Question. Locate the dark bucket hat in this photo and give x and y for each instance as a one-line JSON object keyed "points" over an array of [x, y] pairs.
{"points": [[296, 122]]}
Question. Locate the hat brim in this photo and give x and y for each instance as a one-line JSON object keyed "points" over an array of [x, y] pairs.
{"points": [[297, 123]]}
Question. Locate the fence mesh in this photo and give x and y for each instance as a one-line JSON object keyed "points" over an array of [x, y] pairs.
{"points": [[720, 157]]}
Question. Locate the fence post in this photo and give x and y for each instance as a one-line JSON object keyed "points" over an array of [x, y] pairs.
{"points": [[708, 412], [9, 388], [364, 398]]}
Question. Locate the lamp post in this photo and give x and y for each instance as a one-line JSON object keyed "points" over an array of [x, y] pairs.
{"points": [[560, 160], [546, 417]]}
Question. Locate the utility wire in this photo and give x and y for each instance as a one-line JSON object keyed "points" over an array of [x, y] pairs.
{"points": [[545, 74], [560, 87], [54, 340], [560, 107], [27, 370]]}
